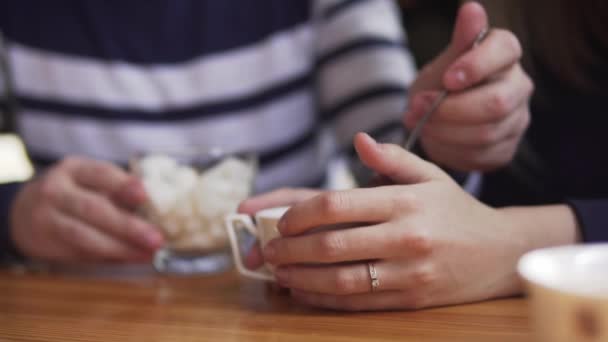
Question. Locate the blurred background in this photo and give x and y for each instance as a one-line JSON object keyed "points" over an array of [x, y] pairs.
{"points": [[428, 24]]}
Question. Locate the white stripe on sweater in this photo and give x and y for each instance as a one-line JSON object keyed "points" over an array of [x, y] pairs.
{"points": [[119, 85], [358, 72], [260, 129], [378, 18], [367, 116]]}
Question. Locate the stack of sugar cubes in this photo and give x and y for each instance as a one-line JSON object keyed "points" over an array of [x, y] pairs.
{"points": [[190, 206]]}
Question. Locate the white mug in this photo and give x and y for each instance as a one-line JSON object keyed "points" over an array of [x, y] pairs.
{"points": [[568, 288], [265, 229]]}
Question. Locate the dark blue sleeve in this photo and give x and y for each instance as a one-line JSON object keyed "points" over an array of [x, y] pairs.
{"points": [[7, 195], [592, 216]]}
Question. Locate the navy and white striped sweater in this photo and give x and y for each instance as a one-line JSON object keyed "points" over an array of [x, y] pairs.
{"points": [[291, 80]]}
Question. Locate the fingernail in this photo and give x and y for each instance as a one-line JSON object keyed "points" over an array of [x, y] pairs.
{"points": [[154, 239], [458, 76], [282, 225], [282, 275], [269, 253]]}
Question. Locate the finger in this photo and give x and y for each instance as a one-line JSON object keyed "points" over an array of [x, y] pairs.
{"points": [[49, 248], [254, 258], [378, 181], [359, 302], [97, 175], [419, 105], [93, 244], [471, 20], [487, 104], [343, 280], [501, 49], [335, 207], [477, 136], [100, 212], [131, 195], [472, 159], [382, 241], [277, 198], [394, 162]]}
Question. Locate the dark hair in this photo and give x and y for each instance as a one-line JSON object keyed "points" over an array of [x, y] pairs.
{"points": [[568, 38]]}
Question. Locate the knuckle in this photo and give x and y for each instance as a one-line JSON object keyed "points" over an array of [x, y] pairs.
{"points": [[418, 242], [405, 201], [50, 188], [487, 135], [499, 105], [333, 203], [69, 162], [331, 246], [424, 276], [91, 171], [344, 282], [511, 42], [85, 207]]}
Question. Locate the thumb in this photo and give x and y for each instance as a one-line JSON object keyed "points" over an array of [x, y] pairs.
{"points": [[471, 20], [394, 162]]}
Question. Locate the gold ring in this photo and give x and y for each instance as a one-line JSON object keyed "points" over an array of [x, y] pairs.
{"points": [[373, 275]]}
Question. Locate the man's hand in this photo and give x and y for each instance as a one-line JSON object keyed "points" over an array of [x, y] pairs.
{"points": [[81, 210]]}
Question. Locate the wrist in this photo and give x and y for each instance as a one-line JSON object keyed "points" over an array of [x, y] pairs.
{"points": [[529, 228], [543, 226]]}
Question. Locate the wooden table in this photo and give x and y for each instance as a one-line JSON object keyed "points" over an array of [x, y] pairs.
{"points": [[148, 307]]}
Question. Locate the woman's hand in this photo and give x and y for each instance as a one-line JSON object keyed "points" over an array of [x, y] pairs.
{"points": [[81, 210], [479, 125], [431, 243], [278, 198]]}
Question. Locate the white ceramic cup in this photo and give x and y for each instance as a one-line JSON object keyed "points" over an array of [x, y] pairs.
{"points": [[568, 289], [264, 228]]}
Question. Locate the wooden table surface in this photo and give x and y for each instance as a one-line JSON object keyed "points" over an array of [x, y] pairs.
{"points": [[69, 306]]}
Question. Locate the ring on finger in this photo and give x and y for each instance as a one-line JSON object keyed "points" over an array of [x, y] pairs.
{"points": [[373, 275]]}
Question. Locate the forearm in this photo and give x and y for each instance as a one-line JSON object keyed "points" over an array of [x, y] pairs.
{"points": [[543, 226]]}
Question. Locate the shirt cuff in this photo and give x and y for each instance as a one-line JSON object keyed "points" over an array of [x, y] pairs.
{"points": [[592, 216], [8, 251]]}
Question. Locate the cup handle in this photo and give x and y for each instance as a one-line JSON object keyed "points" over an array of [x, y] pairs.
{"points": [[247, 222]]}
